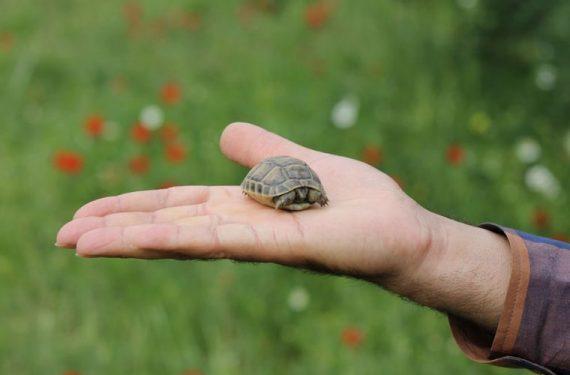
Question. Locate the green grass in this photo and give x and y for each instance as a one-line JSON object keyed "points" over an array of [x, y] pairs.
{"points": [[414, 66]]}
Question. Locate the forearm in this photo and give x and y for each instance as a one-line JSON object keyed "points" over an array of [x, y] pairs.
{"points": [[466, 273], [526, 284]]}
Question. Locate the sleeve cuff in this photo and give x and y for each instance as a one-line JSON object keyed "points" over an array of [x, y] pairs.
{"points": [[484, 347]]}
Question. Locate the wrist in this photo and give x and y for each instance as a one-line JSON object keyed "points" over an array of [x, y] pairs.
{"points": [[464, 272]]}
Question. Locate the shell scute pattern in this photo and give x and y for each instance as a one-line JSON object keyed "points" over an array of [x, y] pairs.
{"points": [[276, 176], [272, 181]]}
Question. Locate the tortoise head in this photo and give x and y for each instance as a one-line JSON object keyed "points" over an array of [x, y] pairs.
{"points": [[316, 196]]}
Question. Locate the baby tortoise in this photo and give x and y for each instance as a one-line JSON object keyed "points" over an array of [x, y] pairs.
{"points": [[284, 182]]}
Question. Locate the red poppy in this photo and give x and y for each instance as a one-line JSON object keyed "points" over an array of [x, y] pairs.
{"points": [[139, 164], [171, 93], [175, 153], [94, 126], [190, 21], [317, 14], [352, 337], [140, 134], [68, 162], [6, 42], [561, 237], [158, 27], [192, 372], [166, 184], [245, 14], [268, 6], [372, 154], [133, 13], [540, 218], [169, 132], [455, 154]]}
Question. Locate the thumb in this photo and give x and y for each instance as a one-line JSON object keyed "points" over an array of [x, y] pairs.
{"points": [[248, 144]]}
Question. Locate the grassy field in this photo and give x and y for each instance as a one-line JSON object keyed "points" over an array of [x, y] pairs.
{"points": [[447, 104]]}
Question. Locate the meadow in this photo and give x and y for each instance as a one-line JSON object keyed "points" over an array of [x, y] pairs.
{"points": [[465, 103]]}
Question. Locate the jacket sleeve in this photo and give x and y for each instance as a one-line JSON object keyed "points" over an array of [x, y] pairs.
{"points": [[534, 327]]}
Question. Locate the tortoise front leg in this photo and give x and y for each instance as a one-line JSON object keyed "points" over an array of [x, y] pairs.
{"points": [[284, 200]]}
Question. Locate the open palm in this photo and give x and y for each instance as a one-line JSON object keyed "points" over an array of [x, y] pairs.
{"points": [[367, 229]]}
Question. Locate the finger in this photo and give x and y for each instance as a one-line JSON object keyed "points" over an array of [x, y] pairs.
{"points": [[152, 200], [201, 239], [101, 242], [248, 144], [149, 200], [70, 233]]}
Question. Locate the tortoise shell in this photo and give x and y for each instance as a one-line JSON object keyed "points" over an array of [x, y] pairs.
{"points": [[279, 175]]}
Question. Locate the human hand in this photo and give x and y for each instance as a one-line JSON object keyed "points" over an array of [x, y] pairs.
{"points": [[368, 225], [371, 229]]}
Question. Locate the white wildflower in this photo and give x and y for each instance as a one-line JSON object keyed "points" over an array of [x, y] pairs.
{"points": [[298, 299], [539, 179], [152, 117], [345, 112], [467, 4], [545, 77], [528, 150]]}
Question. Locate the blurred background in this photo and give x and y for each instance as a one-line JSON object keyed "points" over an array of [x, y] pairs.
{"points": [[466, 103]]}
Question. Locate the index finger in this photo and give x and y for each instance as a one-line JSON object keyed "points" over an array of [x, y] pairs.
{"points": [[248, 144]]}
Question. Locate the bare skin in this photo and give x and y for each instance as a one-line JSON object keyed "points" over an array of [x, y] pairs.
{"points": [[370, 230]]}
